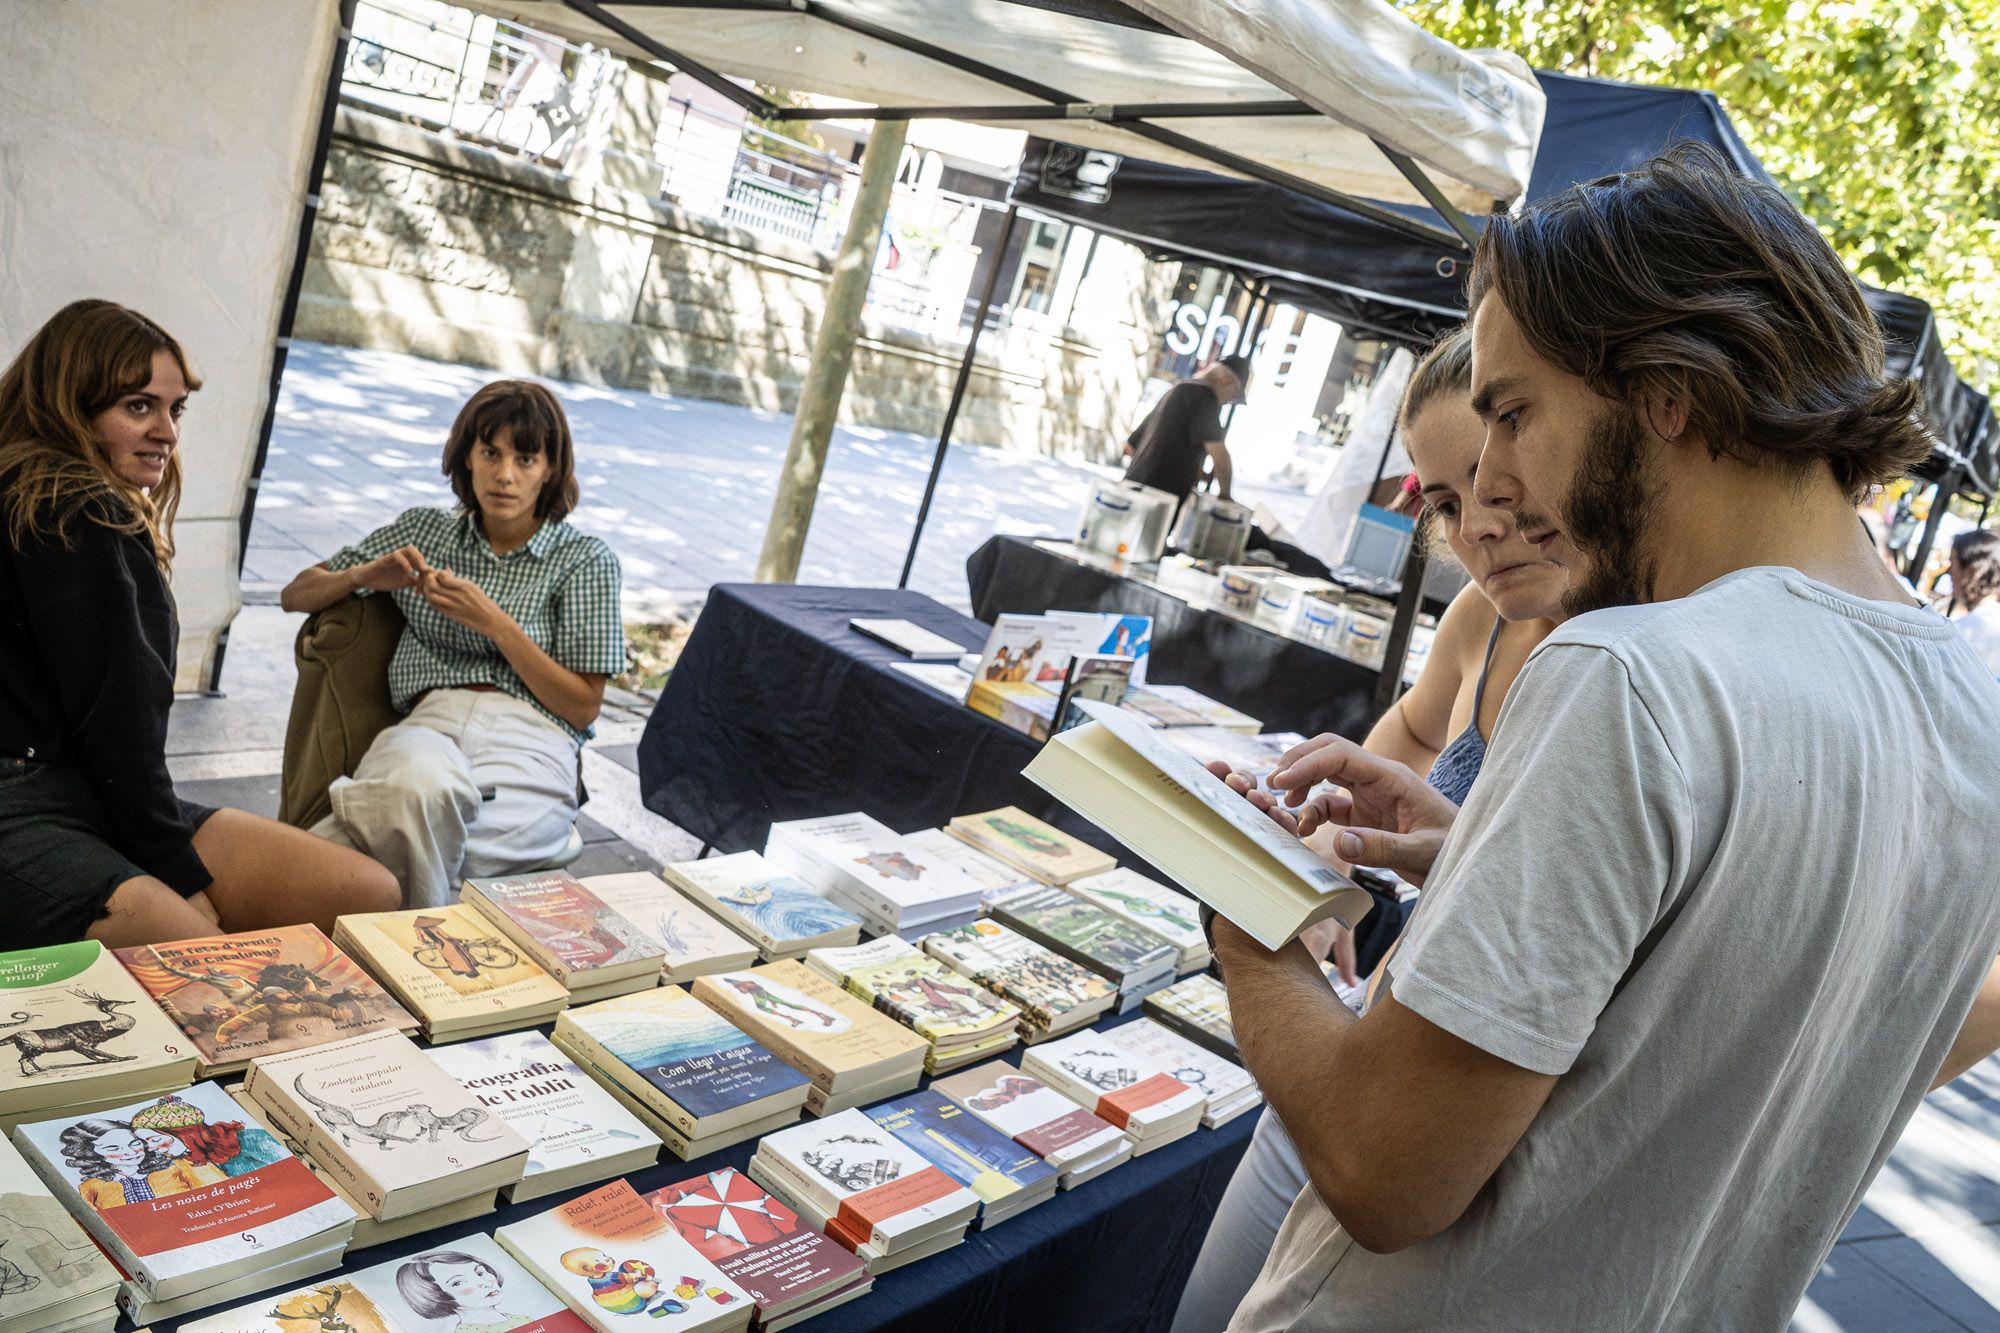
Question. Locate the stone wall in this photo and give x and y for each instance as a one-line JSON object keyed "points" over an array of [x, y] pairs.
{"points": [[429, 245]]}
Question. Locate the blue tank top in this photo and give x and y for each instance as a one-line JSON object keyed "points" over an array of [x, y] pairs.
{"points": [[1458, 763]]}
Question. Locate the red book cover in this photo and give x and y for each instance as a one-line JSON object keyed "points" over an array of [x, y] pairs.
{"points": [[753, 1237], [1118, 1107], [579, 930]]}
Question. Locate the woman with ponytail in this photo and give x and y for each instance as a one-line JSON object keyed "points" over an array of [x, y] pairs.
{"points": [[1975, 593], [93, 841]]}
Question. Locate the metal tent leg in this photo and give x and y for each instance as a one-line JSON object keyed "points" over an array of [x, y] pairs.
{"points": [[1396, 650]]}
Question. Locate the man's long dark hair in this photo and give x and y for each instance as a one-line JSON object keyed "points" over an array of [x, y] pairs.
{"points": [[1688, 284]]}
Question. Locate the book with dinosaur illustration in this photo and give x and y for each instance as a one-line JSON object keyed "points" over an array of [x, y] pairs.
{"points": [[78, 1033], [695, 943], [1037, 849], [262, 992], [453, 969], [614, 1260], [1076, 1142], [791, 1269], [1171, 915], [1006, 1176], [574, 935], [851, 1053], [697, 1073], [1055, 994], [380, 1117], [1133, 956], [50, 1273], [578, 1132], [764, 904], [183, 1192]]}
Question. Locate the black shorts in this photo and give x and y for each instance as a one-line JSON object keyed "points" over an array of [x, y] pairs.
{"points": [[57, 861]]}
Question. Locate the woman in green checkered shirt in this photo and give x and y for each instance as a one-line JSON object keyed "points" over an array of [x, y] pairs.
{"points": [[512, 628]]}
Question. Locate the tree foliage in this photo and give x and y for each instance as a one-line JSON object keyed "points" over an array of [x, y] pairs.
{"points": [[1881, 117]]}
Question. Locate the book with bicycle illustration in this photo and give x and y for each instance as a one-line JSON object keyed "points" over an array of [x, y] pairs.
{"points": [[397, 1132], [451, 968], [78, 1033]]}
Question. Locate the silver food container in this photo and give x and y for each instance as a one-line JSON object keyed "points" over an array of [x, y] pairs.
{"points": [[1125, 521]]}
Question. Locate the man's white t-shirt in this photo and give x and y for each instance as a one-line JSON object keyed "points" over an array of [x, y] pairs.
{"points": [[1725, 871]]}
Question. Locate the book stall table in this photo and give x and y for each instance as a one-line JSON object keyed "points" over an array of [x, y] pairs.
{"points": [[1286, 684], [777, 710]]}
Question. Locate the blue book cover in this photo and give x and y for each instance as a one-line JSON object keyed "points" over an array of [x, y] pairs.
{"points": [[771, 907], [701, 1061], [960, 1144]]}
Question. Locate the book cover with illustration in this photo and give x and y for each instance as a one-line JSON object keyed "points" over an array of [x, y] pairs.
{"points": [[73, 1015], [668, 1042], [567, 1119], [693, 940], [1145, 902], [1047, 986], [1118, 1082], [46, 1261], [448, 963], [1087, 933], [750, 1234], [380, 1116], [1226, 1085], [611, 1257], [183, 1190], [960, 1144], [1028, 844], [570, 930], [332, 1305], [765, 904], [1031, 1113], [926, 996], [820, 1029], [876, 1190], [467, 1285], [258, 993], [1197, 1007], [995, 878]]}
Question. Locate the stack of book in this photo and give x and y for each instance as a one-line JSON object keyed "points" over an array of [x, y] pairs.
{"points": [[577, 1132], [1038, 850], [1007, 1177], [1081, 931], [186, 1198], [961, 1019], [571, 933], [772, 909], [874, 872], [84, 1035], [694, 942], [610, 1255], [449, 967], [1226, 1086], [995, 878], [465, 1285], [1174, 917], [695, 1079], [262, 993], [398, 1133], [1078, 1144], [1028, 709], [863, 1187], [1183, 706], [1053, 994], [1123, 1087], [1198, 1009], [852, 1054], [52, 1279], [791, 1270]]}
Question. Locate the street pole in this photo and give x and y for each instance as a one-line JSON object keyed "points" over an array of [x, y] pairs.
{"points": [[832, 357]]}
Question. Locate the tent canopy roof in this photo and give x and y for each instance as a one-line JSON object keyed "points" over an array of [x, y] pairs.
{"points": [[1320, 79]]}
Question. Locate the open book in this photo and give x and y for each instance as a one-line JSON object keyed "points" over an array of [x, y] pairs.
{"points": [[1159, 801]]}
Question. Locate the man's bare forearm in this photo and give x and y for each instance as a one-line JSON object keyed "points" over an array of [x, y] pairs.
{"points": [[1979, 1036]]}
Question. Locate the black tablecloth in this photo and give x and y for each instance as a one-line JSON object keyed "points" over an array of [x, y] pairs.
{"points": [[1110, 1256], [1285, 684], [777, 710]]}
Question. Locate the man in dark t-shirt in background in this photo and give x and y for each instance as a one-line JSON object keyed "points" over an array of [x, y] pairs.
{"points": [[1184, 427]]}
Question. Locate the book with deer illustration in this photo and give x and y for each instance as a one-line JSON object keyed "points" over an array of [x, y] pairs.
{"points": [[695, 943], [1037, 849], [1006, 1176], [788, 1266], [612, 1258], [380, 1117], [570, 932], [331, 1304], [1074, 1141], [577, 1131], [453, 969], [1054, 993], [183, 1192], [1173, 916], [875, 1191], [50, 1273], [688, 1064], [834, 1039], [241, 996], [79, 1033], [766, 905]]}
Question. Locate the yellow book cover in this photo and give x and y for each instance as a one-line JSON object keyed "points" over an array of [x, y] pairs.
{"points": [[448, 963], [809, 1022], [1028, 844]]}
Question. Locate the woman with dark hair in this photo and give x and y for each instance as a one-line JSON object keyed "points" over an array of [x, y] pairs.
{"points": [[464, 1288], [93, 841], [513, 627], [1975, 593]]}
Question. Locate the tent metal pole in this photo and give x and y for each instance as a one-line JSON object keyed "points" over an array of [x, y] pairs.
{"points": [[1109, 112], [1253, 319], [1396, 650], [1946, 488], [958, 390], [761, 107], [1433, 196]]}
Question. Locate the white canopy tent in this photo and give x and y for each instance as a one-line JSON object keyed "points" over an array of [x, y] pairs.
{"points": [[187, 192]]}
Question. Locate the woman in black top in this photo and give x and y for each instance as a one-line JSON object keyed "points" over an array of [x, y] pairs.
{"points": [[93, 841]]}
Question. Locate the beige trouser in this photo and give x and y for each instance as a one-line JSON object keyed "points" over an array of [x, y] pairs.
{"points": [[471, 783]]}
